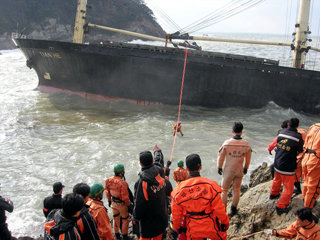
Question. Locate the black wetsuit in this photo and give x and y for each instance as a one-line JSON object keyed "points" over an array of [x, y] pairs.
{"points": [[5, 205]]}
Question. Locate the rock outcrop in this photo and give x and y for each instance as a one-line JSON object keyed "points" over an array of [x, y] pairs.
{"points": [[257, 212]]}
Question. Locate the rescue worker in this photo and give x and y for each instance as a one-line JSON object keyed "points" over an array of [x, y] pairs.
{"points": [[118, 197], [99, 212], [150, 199], [54, 201], [290, 143], [159, 161], [311, 166], [297, 186], [61, 223], [86, 225], [234, 151], [5, 205], [303, 228], [180, 174], [198, 200], [272, 145], [177, 128]]}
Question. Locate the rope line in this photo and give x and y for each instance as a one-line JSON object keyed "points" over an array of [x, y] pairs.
{"points": [[181, 92], [247, 236]]}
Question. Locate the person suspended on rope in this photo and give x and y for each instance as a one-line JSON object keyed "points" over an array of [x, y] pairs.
{"points": [[118, 197], [304, 227], [177, 128]]}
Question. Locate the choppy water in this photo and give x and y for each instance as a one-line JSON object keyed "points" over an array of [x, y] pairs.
{"points": [[46, 138]]}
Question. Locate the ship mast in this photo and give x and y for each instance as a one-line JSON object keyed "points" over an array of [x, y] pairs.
{"points": [[302, 31], [78, 35]]}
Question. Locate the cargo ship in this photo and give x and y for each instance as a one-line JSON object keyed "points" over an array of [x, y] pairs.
{"points": [[147, 74]]}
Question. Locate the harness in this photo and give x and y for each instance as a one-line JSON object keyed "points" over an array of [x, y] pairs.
{"points": [[202, 213], [116, 200], [312, 151]]}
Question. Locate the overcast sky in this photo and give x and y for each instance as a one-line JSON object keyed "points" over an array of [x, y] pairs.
{"points": [[270, 16]]}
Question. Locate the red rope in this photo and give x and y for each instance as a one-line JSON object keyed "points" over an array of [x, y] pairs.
{"points": [[181, 91]]}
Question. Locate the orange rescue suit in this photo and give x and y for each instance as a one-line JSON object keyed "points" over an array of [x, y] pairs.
{"points": [[198, 200], [117, 193], [298, 171], [100, 216], [311, 166], [180, 174], [234, 151], [177, 130], [310, 232]]}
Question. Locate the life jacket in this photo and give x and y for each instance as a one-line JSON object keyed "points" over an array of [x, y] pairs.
{"points": [[199, 200], [100, 215], [58, 226], [117, 190], [310, 232], [180, 174], [311, 146]]}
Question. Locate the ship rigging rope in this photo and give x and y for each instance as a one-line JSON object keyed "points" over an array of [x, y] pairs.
{"points": [[180, 101], [230, 9]]}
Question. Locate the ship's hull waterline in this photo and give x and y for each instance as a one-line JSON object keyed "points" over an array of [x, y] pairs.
{"points": [[149, 74]]}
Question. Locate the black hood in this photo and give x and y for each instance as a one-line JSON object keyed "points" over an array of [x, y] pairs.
{"points": [[149, 174]]}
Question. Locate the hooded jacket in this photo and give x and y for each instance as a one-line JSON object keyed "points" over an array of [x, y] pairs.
{"points": [[60, 227], [51, 202], [289, 144], [5, 205], [87, 226], [151, 202]]}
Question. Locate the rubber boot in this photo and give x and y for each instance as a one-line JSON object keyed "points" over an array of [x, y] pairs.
{"points": [[233, 211], [126, 237], [297, 188], [118, 236]]}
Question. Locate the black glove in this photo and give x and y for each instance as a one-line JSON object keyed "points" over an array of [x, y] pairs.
{"points": [[182, 230], [168, 163], [109, 203], [174, 234], [130, 208], [245, 170], [270, 152], [220, 171]]}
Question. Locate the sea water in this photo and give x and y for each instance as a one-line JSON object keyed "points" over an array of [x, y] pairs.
{"points": [[46, 138]]}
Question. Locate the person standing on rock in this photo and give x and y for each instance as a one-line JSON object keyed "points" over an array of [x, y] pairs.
{"points": [[86, 224], [180, 174], [150, 207], [54, 201], [233, 151], [303, 228], [99, 212], [311, 166], [197, 200], [61, 223], [5, 205], [117, 193], [290, 143]]}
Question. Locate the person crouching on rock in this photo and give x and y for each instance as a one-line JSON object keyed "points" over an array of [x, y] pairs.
{"points": [[303, 228]]}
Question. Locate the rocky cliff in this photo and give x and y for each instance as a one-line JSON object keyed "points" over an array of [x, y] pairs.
{"points": [[54, 19]]}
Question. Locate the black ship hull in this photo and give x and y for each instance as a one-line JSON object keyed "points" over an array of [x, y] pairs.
{"points": [[148, 74]]}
